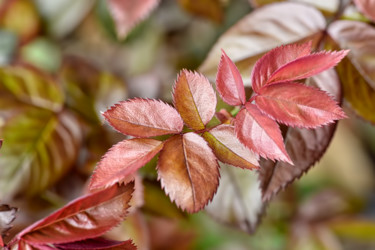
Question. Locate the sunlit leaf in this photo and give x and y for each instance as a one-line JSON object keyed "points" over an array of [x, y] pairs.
{"points": [[238, 200], [260, 133], [86, 217], [123, 160], [98, 243], [211, 9], [229, 82], [26, 27], [188, 171], [127, 14], [88, 89], [228, 149], [305, 146], [194, 98], [262, 30], [41, 146], [144, 118], [297, 105], [32, 87], [367, 7], [274, 59]]}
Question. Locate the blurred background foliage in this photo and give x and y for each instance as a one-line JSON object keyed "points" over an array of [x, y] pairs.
{"points": [[62, 64]]}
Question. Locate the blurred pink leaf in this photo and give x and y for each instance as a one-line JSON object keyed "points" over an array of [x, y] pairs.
{"points": [[188, 171], [260, 133], [194, 98], [367, 7], [128, 13], [144, 118], [229, 82], [297, 105], [123, 160]]}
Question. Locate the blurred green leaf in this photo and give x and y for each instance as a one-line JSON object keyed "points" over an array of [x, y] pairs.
{"points": [[8, 45], [41, 146]]}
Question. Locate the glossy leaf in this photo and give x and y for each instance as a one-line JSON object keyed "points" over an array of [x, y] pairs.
{"points": [[297, 105], [211, 9], [194, 98], [356, 72], [229, 82], [127, 14], [238, 201], [144, 118], [86, 217], [228, 149], [41, 147], [260, 133], [98, 243], [275, 59], [30, 86], [367, 7], [260, 31], [188, 171], [305, 146], [307, 66], [123, 160]]}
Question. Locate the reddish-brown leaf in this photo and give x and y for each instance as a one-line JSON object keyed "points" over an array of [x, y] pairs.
{"points": [[307, 66], [260, 133], [123, 160], [273, 60], [224, 116], [228, 149], [229, 82], [194, 98], [144, 118], [367, 7], [86, 217], [1, 143], [305, 146], [298, 105], [128, 13], [188, 171], [98, 244]]}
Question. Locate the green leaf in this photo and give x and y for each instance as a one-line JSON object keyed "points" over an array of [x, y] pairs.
{"points": [[41, 146], [357, 229]]}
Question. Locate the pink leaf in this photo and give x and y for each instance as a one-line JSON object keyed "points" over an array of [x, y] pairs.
{"points": [[298, 105], [128, 13], [307, 66], [123, 160], [188, 171], [260, 133], [274, 59], [144, 118], [229, 82], [194, 98], [367, 7], [86, 217]]}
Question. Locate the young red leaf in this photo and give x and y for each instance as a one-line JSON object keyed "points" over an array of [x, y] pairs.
{"points": [[86, 217], [274, 59], [98, 244], [307, 66], [194, 98], [260, 133], [144, 118], [128, 13], [188, 171], [298, 105], [123, 160], [228, 148], [229, 82]]}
